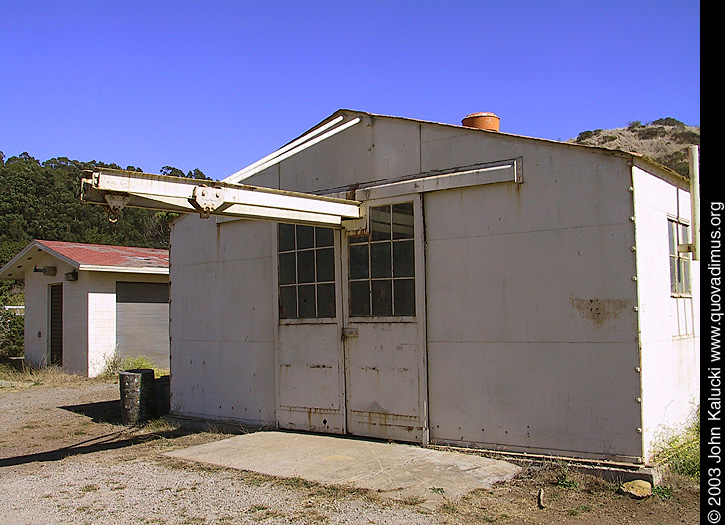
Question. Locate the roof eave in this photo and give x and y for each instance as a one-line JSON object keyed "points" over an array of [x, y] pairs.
{"points": [[123, 269], [34, 245]]}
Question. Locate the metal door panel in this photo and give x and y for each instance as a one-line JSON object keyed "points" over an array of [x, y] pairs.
{"points": [[309, 378], [383, 388], [385, 362]]}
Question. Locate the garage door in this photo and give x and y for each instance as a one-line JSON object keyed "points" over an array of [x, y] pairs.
{"points": [[142, 321]]}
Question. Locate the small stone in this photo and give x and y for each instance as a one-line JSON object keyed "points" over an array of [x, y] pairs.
{"points": [[637, 489]]}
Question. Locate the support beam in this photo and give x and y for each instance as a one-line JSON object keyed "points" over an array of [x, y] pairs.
{"points": [[291, 149], [116, 189]]}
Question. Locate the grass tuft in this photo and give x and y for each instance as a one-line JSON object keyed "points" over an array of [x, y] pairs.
{"points": [[680, 451]]}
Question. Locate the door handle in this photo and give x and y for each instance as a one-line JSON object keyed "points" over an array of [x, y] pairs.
{"points": [[348, 333]]}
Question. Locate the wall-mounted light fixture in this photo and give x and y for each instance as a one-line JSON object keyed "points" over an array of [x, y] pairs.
{"points": [[71, 276], [46, 270]]}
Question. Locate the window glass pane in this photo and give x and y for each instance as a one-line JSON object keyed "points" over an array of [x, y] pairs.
{"points": [[380, 223], [305, 237], [403, 260], [403, 221], [404, 298], [359, 261], [680, 275], [287, 268], [286, 237], [287, 302], [326, 300], [673, 237], [324, 237], [686, 276], [380, 260], [360, 298], [306, 297], [684, 234], [325, 265], [382, 301], [673, 275], [306, 266]]}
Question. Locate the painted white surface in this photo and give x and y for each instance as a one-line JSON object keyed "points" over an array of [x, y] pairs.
{"points": [[37, 317], [531, 321], [669, 326], [89, 316], [532, 325], [222, 328], [101, 326]]}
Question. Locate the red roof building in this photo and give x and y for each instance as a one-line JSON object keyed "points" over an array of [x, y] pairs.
{"points": [[87, 305], [91, 257]]}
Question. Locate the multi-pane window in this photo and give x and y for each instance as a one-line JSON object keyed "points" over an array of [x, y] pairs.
{"points": [[679, 233], [382, 264], [306, 272]]}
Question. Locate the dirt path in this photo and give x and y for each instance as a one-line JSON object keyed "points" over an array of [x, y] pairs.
{"points": [[65, 458]]}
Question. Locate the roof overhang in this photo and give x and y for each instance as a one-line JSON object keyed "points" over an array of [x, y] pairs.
{"points": [[29, 257], [123, 269], [26, 260]]}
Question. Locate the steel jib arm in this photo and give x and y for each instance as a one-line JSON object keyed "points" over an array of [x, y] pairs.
{"points": [[116, 189]]}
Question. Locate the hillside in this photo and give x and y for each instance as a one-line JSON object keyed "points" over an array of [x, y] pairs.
{"points": [[664, 140]]}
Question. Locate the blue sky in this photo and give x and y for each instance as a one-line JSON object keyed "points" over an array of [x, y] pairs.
{"points": [[216, 85]]}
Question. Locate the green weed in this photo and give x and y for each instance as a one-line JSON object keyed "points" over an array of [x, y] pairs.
{"points": [[680, 451]]}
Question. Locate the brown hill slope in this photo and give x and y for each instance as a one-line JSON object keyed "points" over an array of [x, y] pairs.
{"points": [[664, 140]]}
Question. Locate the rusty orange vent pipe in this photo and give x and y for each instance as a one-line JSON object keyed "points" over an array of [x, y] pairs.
{"points": [[487, 121]]}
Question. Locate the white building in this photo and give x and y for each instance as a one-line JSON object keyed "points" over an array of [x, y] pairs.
{"points": [[86, 303], [498, 291]]}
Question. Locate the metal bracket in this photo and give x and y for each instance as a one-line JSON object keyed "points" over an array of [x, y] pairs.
{"points": [[206, 199], [115, 204]]}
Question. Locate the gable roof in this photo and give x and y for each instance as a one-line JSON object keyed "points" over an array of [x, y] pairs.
{"points": [[89, 257], [637, 158]]}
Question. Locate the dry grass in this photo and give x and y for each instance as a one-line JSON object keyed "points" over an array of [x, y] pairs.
{"points": [[49, 375]]}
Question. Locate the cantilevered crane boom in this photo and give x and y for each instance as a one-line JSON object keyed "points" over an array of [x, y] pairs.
{"points": [[117, 189]]}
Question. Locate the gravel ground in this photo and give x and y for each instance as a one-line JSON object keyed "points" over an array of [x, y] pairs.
{"points": [[66, 458]]}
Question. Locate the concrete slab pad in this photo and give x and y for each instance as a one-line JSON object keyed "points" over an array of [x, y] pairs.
{"points": [[394, 470]]}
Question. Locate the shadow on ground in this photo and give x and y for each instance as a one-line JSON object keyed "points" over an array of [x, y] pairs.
{"points": [[101, 412]]}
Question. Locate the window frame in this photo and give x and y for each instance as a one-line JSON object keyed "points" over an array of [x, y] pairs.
{"points": [[314, 249], [679, 261], [413, 241]]}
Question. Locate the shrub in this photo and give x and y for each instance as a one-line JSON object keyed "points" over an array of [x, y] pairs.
{"points": [[584, 135], [667, 121], [651, 132], [12, 338], [686, 137], [117, 364]]}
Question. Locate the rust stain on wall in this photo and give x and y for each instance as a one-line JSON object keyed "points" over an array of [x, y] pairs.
{"points": [[600, 311]]}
